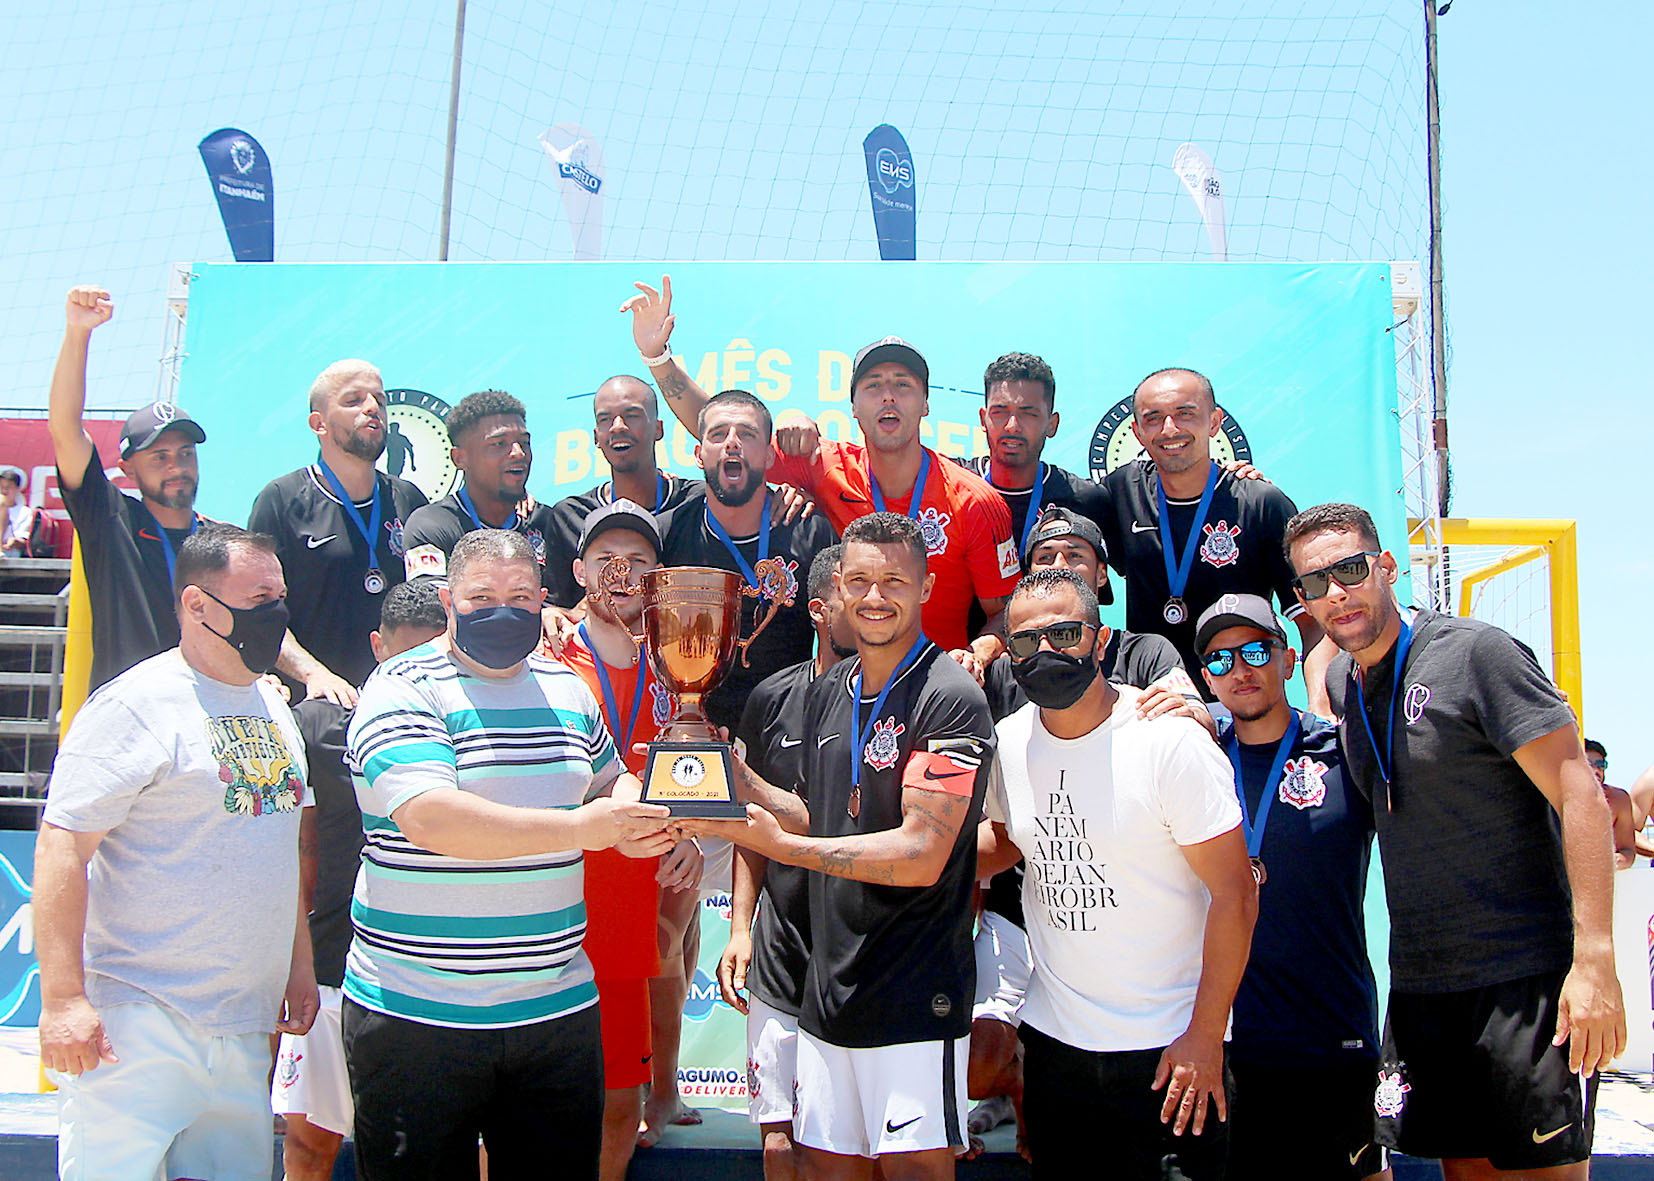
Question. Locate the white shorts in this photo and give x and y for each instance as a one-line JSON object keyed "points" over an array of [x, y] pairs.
{"points": [[772, 1062], [1002, 967], [179, 1103], [311, 1079], [718, 872], [868, 1101]]}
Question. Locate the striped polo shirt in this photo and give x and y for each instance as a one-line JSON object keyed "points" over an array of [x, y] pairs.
{"points": [[471, 944]]}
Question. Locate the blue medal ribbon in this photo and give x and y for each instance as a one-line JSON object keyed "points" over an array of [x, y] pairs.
{"points": [[1036, 500], [611, 708], [660, 492], [865, 735], [1386, 757], [722, 535], [918, 487], [1177, 577], [1253, 827], [167, 552], [370, 529], [464, 498]]}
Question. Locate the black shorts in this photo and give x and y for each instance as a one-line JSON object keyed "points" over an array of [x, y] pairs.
{"points": [[425, 1093], [1303, 1121], [1473, 1074], [1085, 1110]]}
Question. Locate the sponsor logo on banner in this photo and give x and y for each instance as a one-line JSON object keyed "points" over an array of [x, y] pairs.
{"points": [[416, 442], [893, 171], [703, 997], [711, 1082], [19, 973], [1113, 445]]}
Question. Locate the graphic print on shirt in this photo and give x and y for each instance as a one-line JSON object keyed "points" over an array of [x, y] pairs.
{"points": [[1412, 707], [1062, 867], [933, 523], [255, 766], [882, 748], [1303, 783], [1220, 547]]}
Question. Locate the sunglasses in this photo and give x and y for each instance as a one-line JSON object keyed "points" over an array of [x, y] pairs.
{"points": [[1600, 764], [1220, 662], [1066, 634], [1346, 572]]}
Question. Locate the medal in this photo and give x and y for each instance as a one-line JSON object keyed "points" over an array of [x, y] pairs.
{"points": [[854, 806], [1259, 874], [374, 581], [1252, 826], [1175, 611]]}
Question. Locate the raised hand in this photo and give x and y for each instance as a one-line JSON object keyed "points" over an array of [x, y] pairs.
{"points": [[652, 317], [87, 307]]}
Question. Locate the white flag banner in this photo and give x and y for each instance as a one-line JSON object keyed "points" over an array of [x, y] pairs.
{"points": [[577, 161], [1200, 176]]}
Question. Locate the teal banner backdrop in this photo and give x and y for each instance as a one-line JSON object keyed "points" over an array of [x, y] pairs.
{"points": [[1301, 358]]}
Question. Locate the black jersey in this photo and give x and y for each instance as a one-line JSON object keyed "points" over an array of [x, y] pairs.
{"points": [[1474, 876], [772, 735], [1062, 489], [568, 518], [326, 562], [338, 835], [688, 540], [127, 579], [1239, 551], [434, 530], [1308, 996], [893, 964]]}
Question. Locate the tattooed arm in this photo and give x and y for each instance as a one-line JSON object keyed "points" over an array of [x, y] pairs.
{"points": [[652, 322], [789, 811]]}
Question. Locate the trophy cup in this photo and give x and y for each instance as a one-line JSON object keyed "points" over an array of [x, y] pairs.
{"points": [[691, 633]]}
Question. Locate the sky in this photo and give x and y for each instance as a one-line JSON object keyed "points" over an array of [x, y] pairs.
{"points": [[732, 130]]}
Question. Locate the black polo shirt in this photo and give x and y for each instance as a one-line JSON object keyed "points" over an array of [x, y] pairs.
{"points": [[568, 517], [434, 530], [339, 835]]}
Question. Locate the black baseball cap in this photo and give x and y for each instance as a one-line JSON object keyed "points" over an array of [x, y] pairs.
{"points": [[1236, 611], [1057, 521], [620, 514], [145, 425], [891, 348]]}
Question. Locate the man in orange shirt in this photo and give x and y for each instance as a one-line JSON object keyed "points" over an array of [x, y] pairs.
{"points": [[966, 524], [622, 898]]}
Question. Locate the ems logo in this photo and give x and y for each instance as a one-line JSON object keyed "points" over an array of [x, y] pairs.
{"points": [[1303, 783], [934, 525], [663, 705], [1412, 707], [538, 544], [416, 443], [894, 172], [1391, 1095], [1219, 548], [882, 751], [1113, 445]]}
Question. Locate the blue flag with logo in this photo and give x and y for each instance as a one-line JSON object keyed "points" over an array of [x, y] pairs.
{"points": [[240, 174], [890, 185]]}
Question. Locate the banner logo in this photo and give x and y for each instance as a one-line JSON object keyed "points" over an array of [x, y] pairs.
{"points": [[416, 442], [245, 190], [242, 156], [1113, 445], [889, 172], [893, 171]]}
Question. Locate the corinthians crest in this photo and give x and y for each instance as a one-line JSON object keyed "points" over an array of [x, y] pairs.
{"points": [[934, 525], [1391, 1094], [882, 750], [1219, 548], [1303, 783]]}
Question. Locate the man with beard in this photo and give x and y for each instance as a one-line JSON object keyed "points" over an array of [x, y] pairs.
{"points": [[493, 452], [728, 524], [897, 748], [1498, 869], [338, 528], [769, 957], [128, 547], [626, 428], [1307, 1008], [966, 526]]}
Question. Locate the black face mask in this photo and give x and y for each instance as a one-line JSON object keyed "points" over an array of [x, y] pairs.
{"points": [[1055, 680], [497, 637], [255, 632]]}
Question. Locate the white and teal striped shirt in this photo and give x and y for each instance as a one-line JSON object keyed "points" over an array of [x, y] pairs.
{"points": [[471, 944]]}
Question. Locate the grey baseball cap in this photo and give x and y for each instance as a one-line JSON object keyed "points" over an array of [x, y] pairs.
{"points": [[891, 348], [619, 514], [1236, 611], [148, 423]]}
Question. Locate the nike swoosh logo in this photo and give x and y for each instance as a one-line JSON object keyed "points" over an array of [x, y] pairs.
{"points": [[785, 741], [1357, 1154], [1136, 528], [848, 499], [821, 742], [646, 1058], [892, 1129], [930, 774], [313, 542], [1538, 1139]]}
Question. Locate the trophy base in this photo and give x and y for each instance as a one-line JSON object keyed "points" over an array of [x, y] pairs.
{"points": [[695, 779]]}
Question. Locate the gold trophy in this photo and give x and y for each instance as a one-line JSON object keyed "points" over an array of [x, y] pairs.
{"points": [[691, 633]]}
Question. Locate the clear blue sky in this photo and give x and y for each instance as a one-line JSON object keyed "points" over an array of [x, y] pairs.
{"points": [[732, 130]]}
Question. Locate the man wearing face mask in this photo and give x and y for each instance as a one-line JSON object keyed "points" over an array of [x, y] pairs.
{"points": [[164, 969], [483, 771], [1138, 898]]}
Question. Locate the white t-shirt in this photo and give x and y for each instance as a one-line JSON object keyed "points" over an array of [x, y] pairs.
{"points": [[15, 521], [1116, 918]]}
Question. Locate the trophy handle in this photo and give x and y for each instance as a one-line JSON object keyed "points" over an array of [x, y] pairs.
{"points": [[773, 582], [612, 580]]}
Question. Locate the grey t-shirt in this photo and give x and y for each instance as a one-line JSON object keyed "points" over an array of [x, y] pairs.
{"points": [[1473, 870], [194, 890]]}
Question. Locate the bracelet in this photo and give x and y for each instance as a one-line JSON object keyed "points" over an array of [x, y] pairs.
{"points": [[660, 360]]}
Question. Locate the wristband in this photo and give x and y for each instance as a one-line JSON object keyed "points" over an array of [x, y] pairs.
{"points": [[660, 360]]}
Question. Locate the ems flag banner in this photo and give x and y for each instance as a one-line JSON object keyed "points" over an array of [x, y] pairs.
{"points": [[1200, 176], [891, 188], [239, 171], [577, 161]]}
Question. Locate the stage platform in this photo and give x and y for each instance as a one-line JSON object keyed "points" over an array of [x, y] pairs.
{"points": [[725, 1148]]}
